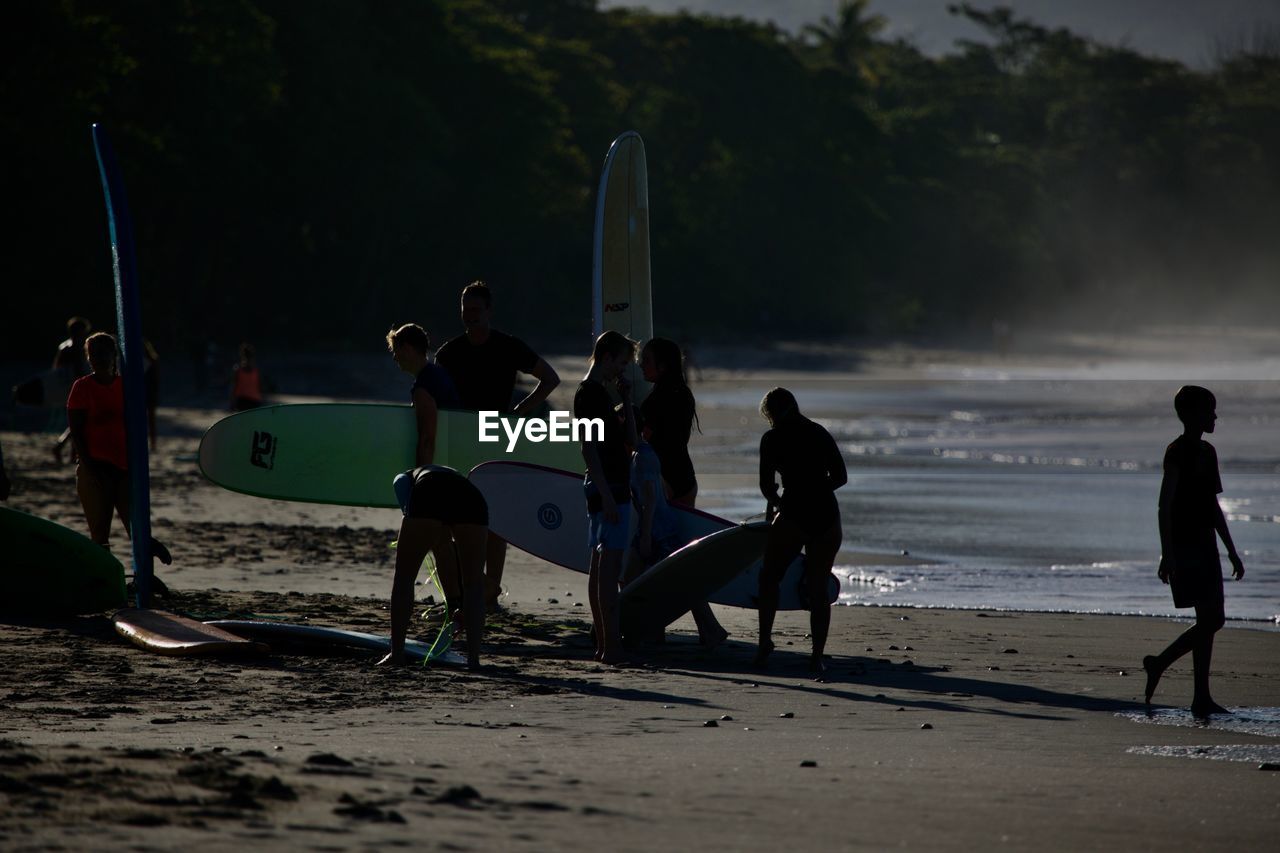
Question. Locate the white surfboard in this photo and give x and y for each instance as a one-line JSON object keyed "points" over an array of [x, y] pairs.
{"points": [[543, 511], [621, 290]]}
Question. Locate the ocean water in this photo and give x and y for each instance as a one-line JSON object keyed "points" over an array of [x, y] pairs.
{"points": [[1030, 489]]}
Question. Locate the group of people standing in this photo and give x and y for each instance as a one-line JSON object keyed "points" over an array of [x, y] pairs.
{"points": [[640, 464]]}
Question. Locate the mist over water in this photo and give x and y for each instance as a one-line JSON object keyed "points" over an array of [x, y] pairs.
{"points": [[1033, 488]]}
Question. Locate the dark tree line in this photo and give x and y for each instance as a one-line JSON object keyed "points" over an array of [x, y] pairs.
{"points": [[309, 171]]}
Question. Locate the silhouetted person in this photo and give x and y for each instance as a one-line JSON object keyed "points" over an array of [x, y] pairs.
{"points": [[806, 514], [71, 359], [483, 363], [1190, 519], [246, 381]]}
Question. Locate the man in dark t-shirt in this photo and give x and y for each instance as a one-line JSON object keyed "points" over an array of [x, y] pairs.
{"points": [[483, 363]]}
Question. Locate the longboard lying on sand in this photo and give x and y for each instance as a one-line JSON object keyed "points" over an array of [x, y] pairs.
{"points": [[621, 291], [283, 633], [48, 568], [348, 453], [543, 511], [171, 634]]}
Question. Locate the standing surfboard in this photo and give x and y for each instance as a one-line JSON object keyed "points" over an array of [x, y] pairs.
{"points": [[132, 357], [349, 453], [621, 294], [543, 512]]}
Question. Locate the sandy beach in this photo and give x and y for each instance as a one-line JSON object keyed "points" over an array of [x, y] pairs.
{"points": [[934, 729]]}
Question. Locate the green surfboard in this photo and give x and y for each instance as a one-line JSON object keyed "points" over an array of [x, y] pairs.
{"points": [[50, 569], [348, 453]]}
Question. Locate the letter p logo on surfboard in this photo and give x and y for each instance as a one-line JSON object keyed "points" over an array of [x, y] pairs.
{"points": [[263, 453]]}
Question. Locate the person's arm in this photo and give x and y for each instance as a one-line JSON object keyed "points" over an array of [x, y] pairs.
{"points": [[426, 414], [78, 422], [768, 484], [595, 470], [628, 414], [547, 378], [837, 472], [1220, 524], [1168, 488]]}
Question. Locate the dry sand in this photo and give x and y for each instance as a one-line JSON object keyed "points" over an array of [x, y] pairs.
{"points": [[934, 729]]}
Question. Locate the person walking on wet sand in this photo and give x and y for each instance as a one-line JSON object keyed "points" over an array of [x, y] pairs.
{"points": [[806, 514], [444, 514], [1190, 520]]}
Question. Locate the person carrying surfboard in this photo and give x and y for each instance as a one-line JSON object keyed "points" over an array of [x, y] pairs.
{"points": [[483, 363], [607, 483], [805, 515], [444, 515], [432, 389], [1190, 521]]}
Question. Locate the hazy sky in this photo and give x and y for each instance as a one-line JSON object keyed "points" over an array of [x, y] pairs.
{"points": [[1180, 29]]}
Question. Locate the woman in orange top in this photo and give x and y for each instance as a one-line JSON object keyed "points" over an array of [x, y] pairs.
{"points": [[246, 382], [95, 411]]}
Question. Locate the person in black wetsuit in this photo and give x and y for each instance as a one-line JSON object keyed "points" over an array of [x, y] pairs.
{"points": [[445, 515], [607, 484], [483, 363], [805, 515], [432, 389], [1190, 520], [669, 414]]}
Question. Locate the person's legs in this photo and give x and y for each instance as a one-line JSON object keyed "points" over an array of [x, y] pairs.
{"points": [[471, 541], [450, 574], [1210, 617], [820, 556], [97, 501], [418, 536], [495, 559], [784, 543]]}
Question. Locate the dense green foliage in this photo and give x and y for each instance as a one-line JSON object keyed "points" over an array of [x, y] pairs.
{"points": [[313, 170]]}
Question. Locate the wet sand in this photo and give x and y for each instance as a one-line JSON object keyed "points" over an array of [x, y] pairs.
{"points": [[934, 729]]}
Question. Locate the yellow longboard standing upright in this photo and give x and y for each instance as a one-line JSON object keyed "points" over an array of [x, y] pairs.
{"points": [[621, 294]]}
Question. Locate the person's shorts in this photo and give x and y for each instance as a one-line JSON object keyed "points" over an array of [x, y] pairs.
{"points": [[612, 537], [661, 548], [448, 497]]}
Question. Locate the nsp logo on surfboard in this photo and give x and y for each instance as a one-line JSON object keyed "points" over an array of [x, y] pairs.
{"points": [[561, 426]]}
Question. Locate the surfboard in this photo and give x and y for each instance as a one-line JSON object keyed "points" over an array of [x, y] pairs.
{"points": [[170, 634], [543, 511], [670, 588], [46, 568], [47, 389], [621, 290], [132, 360], [284, 633], [348, 453]]}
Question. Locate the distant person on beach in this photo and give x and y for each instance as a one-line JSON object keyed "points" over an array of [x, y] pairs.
{"points": [[607, 484], [1190, 520], [246, 381], [95, 411], [806, 514], [444, 515], [432, 388], [70, 357], [669, 414], [483, 363]]}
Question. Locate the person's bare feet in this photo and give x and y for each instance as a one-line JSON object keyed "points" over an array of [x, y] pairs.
{"points": [[762, 654], [1202, 708], [1152, 666], [717, 637]]}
